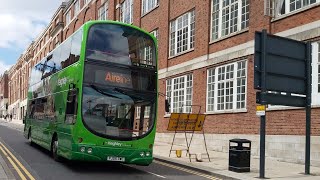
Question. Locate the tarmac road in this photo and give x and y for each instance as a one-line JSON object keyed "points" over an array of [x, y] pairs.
{"points": [[39, 164]]}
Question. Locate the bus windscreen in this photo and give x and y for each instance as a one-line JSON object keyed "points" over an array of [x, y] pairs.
{"points": [[120, 44]]}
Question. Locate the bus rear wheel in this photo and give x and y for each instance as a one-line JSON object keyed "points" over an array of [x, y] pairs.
{"points": [[54, 150]]}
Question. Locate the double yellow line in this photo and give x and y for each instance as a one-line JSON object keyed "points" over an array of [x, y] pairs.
{"points": [[187, 170], [16, 163]]}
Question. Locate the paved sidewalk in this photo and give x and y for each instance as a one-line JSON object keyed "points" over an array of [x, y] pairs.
{"points": [[14, 124], [219, 164]]}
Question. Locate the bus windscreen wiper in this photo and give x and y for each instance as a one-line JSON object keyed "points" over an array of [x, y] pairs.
{"points": [[102, 92]]}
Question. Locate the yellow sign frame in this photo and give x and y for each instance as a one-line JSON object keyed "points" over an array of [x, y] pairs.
{"points": [[186, 122]]}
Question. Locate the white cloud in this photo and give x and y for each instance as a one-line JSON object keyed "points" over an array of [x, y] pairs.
{"points": [[22, 21], [17, 33], [3, 67]]}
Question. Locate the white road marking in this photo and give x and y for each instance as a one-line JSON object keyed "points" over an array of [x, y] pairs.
{"points": [[156, 174]]}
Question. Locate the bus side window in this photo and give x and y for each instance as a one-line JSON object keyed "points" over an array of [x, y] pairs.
{"points": [[71, 106]]}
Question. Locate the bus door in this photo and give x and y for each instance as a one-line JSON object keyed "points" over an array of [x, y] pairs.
{"points": [[49, 120], [38, 119], [70, 114]]}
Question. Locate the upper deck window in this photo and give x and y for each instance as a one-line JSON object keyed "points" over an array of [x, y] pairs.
{"points": [[120, 44]]}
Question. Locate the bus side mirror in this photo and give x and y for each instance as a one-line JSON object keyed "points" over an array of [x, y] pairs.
{"points": [[167, 105], [24, 120]]}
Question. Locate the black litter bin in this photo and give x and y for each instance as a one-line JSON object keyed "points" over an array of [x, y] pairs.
{"points": [[239, 155]]}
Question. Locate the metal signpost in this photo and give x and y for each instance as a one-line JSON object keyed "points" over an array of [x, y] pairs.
{"points": [[282, 74]]}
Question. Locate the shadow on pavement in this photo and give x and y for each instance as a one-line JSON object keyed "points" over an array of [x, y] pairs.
{"points": [[91, 167]]}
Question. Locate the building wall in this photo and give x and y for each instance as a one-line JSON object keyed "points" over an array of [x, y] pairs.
{"points": [[280, 121], [206, 53], [303, 25], [3, 94], [4, 85]]}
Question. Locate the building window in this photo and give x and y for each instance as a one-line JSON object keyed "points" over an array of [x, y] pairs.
{"points": [[146, 53], [287, 6], [228, 16], [57, 44], [155, 33], [103, 12], [297, 4], [226, 87], [179, 93], [148, 5], [76, 7], [146, 111], [86, 1], [126, 11], [68, 17], [182, 33]]}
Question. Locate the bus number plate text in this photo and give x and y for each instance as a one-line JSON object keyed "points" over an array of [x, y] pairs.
{"points": [[114, 158]]}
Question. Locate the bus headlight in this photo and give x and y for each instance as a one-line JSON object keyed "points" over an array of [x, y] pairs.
{"points": [[142, 154], [148, 154], [89, 150], [82, 149]]}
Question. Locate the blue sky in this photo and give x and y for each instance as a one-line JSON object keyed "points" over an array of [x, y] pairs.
{"points": [[21, 22]]}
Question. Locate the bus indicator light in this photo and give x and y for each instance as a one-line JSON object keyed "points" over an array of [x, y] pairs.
{"points": [[80, 140]]}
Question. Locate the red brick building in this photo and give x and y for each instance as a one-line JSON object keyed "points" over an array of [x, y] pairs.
{"points": [[3, 94], [205, 58]]}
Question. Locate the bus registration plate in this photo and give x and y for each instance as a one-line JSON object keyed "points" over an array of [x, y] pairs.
{"points": [[114, 158]]}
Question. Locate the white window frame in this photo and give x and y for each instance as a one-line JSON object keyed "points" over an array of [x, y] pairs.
{"points": [[146, 111], [217, 10], [178, 26], [77, 7], [171, 90], [287, 5], [148, 5], [155, 33], [235, 87], [103, 11], [126, 10], [68, 17], [145, 53]]}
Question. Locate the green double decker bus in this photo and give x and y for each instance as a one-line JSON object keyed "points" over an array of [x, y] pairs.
{"points": [[94, 97]]}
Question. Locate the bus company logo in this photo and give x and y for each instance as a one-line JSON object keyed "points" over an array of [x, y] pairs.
{"points": [[62, 81], [115, 144], [117, 78]]}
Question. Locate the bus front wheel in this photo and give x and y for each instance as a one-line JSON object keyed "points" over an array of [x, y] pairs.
{"points": [[54, 150]]}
